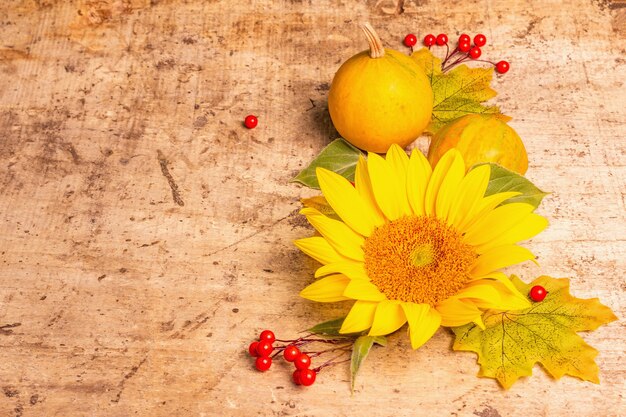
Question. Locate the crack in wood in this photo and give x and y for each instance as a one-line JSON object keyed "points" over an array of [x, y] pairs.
{"points": [[170, 180], [6, 329], [251, 235], [133, 371]]}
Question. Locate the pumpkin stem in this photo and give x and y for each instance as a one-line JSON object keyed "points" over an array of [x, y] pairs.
{"points": [[376, 46]]}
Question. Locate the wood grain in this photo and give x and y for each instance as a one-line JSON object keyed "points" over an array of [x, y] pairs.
{"points": [[146, 236]]}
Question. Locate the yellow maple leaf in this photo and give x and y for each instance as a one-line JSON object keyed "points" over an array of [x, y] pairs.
{"points": [[457, 92], [513, 341]]}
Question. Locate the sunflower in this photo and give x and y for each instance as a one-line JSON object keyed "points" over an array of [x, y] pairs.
{"points": [[415, 244]]}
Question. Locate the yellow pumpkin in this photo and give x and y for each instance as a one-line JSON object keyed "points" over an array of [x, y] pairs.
{"points": [[481, 138], [380, 97]]}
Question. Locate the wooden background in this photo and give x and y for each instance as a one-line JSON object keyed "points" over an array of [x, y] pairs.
{"points": [[146, 235]]}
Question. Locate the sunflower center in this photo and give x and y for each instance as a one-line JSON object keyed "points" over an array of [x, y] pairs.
{"points": [[418, 259]]}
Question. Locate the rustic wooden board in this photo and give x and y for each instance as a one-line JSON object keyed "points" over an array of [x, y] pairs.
{"points": [[146, 236]]}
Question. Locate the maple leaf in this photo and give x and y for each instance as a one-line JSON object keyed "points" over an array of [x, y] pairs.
{"points": [[457, 92], [513, 341]]}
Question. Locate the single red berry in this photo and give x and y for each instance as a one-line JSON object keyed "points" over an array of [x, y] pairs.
{"points": [[307, 377], [267, 335], [291, 353], [252, 349], [464, 46], [429, 40], [302, 361], [264, 348], [410, 40], [538, 293], [502, 67], [442, 39], [480, 40], [296, 377], [464, 38], [251, 121], [475, 52], [263, 364]]}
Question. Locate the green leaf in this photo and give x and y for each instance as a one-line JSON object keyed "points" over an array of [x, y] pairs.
{"points": [[512, 342], [360, 350], [502, 180], [457, 92], [328, 328], [339, 156]]}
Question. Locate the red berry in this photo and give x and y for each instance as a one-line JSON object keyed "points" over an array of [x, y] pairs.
{"points": [[252, 349], [302, 361], [480, 40], [538, 293], [429, 40], [307, 377], [264, 348], [464, 46], [464, 38], [502, 67], [475, 52], [296, 377], [442, 39], [410, 40], [291, 353], [267, 335], [263, 364], [251, 121]]}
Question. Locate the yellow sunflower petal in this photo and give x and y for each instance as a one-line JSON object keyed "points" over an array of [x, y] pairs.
{"points": [[530, 226], [449, 189], [423, 322], [398, 159], [360, 289], [480, 294], [507, 300], [345, 240], [499, 258], [418, 175], [363, 186], [388, 318], [496, 223], [484, 206], [450, 159], [347, 202], [399, 162], [455, 312], [353, 270], [319, 249], [327, 290], [390, 198], [471, 191], [498, 277], [360, 317]]}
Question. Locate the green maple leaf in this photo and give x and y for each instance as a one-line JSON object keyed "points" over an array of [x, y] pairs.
{"points": [[457, 92], [513, 341]]}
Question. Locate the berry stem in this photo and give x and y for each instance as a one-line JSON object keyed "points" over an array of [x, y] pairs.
{"points": [[448, 57], [458, 61], [344, 348], [331, 363]]}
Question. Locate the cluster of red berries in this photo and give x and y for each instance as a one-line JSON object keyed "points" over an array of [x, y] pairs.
{"points": [[263, 348], [463, 51]]}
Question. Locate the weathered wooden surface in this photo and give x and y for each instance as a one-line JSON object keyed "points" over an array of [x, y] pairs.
{"points": [[146, 236]]}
